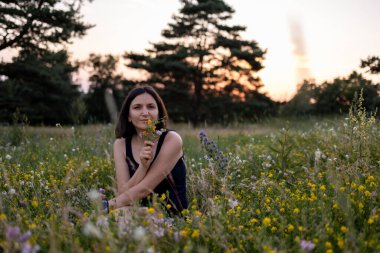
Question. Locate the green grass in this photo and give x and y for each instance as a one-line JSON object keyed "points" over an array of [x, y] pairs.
{"points": [[288, 184]]}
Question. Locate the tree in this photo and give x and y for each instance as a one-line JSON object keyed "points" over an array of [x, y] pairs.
{"points": [[39, 23], [303, 103], [333, 97], [372, 63], [105, 82], [337, 96], [200, 58], [38, 84]]}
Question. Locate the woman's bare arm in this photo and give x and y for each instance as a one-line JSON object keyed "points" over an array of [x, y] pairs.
{"points": [[123, 179], [121, 166], [170, 152]]}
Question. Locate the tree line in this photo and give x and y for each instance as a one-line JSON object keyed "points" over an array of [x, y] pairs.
{"points": [[204, 70]]}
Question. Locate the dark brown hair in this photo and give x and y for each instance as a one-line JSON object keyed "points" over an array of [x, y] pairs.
{"points": [[126, 129]]}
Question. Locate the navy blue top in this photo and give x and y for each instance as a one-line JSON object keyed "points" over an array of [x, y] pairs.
{"points": [[177, 189]]}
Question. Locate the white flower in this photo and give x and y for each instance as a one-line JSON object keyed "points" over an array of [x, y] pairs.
{"points": [[12, 191], [150, 250], [317, 155], [102, 221], [232, 203], [8, 157], [91, 230], [158, 132], [159, 232], [139, 233], [94, 195]]}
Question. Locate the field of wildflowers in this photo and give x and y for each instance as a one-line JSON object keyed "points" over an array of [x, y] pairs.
{"points": [[286, 189]]}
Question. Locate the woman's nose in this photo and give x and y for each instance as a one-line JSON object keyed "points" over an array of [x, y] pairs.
{"points": [[145, 111]]}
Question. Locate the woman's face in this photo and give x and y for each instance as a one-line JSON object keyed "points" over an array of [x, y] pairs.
{"points": [[142, 108]]}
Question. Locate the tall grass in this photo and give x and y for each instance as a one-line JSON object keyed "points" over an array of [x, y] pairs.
{"points": [[287, 186]]}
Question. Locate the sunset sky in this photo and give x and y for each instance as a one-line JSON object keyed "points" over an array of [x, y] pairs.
{"points": [[320, 39]]}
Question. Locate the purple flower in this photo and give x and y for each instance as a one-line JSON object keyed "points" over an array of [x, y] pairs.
{"points": [[102, 191], [12, 232], [307, 245], [27, 248], [25, 237]]}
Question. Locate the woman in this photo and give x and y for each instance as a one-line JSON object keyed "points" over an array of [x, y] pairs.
{"points": [[143, 166]]}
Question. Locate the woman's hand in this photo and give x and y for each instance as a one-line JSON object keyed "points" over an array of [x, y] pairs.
{"points": [[146, 154]]}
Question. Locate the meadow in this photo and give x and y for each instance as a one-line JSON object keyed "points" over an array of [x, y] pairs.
{"points": [[296, 185]]}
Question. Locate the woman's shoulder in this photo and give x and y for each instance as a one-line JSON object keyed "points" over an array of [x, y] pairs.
{"points": [[173, 135], [119, 143]]}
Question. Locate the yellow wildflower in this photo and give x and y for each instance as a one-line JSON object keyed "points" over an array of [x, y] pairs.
{"points": [[296, 210], [184, 233], [340, 243], [195, 233], [3, 216], [253, 220], [150, 210], [34, 203], [290, 227], [344, 229], [266, 222]]}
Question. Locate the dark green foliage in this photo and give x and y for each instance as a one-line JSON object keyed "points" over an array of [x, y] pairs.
{"points": [[203, 69], [103, 76], [38, 83], [372, 63], [333, 97], [39, 23]]}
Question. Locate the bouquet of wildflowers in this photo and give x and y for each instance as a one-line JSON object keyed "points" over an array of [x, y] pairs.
{"points": [[151, 133]]}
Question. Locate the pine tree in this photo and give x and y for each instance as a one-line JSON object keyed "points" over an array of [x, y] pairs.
{"points": [[39, 23], [39, 85], [200, 58]]}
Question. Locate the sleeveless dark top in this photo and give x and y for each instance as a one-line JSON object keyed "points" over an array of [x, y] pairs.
{"points": [[175, 184]]}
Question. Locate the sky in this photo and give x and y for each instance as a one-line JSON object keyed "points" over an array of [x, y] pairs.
{"points": [[321, 39]]}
